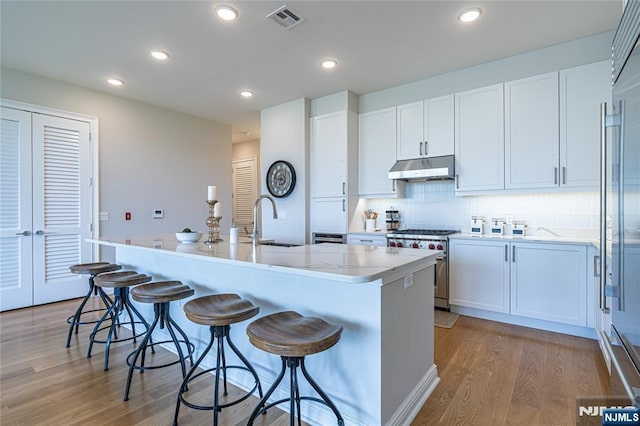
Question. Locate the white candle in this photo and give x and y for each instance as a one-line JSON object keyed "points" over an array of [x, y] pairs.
{"points": [[212, 193], [217, 210]]}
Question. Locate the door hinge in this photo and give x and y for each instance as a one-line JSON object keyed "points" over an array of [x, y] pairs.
{"points": [[90, 136], [91, 227], [90, 181]]}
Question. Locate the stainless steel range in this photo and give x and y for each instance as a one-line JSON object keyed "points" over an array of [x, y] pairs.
{"points": [[432, 239]]}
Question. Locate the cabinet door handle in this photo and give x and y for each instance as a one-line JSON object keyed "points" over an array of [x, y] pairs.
{"points": [[343, 188], [564, 175], [343, 206], [393, 185], [425, 147], [555, 175], [457, 182], [420, 149], [24, 233], [506, 253], [513, 253]]}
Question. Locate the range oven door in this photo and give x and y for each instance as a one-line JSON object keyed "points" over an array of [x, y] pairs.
{"points": [[441, 289]]}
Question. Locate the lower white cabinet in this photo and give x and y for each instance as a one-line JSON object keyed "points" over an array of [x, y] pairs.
{"points": [[367, 239], [329, 215], [479, 274], [549, 282], [534, 280]]}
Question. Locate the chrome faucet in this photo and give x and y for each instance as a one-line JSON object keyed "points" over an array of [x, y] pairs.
{"points": [[255, 235]]}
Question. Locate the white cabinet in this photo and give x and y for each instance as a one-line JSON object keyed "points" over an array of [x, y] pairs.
{"points": [[438, 126], [330, 215], [479, 139], [479, 274], [425, 128], [334, 171], [531, 132], [582, 89], [377, 154], [548, 282], [533, 280], [367, 239], [329, 154]]}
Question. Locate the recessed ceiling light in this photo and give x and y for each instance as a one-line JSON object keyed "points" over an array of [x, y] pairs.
{"points": [[246, 94], [226, 12], [160, 55], [470, 14], [329, 63], [115, 82]]}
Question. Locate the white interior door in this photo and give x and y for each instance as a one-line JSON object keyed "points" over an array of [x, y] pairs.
{"points": [[16, 288], [245, 192], [61, 206]]}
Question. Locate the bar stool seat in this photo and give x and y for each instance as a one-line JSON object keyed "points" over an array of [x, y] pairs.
{"points": [[161, 294], [218, 311], [120, 282], [293, 336], [91, 269]]}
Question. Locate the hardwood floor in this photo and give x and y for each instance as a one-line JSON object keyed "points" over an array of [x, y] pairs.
{"points": [[491, 374], [499, 374]]}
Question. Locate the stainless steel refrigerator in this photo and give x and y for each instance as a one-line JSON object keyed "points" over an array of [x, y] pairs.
{"points": [[620, 198]]}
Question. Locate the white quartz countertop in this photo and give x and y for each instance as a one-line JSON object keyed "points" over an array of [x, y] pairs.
{"points": [[342, 262]]}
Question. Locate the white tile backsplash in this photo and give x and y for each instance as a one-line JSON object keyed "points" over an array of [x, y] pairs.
{"points": [[435, 204]]}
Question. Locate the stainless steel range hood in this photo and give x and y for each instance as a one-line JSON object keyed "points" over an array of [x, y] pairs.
{"points": [[417, 169]]}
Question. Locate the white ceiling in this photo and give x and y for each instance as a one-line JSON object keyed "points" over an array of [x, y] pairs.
{"points": [[378, 44]]}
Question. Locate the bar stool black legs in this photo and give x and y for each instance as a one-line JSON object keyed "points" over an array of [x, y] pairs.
{"points": [[161, 294], [218, 334], [294, 398], [120, 281], [93, 269]]}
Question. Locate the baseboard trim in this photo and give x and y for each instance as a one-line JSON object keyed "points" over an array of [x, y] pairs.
{"points": [[410, 407]]}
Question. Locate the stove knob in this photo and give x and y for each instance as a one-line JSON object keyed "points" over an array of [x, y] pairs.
{"points": [[431, 246], [415, 245], [400, 244], [439, 247], [392, 244]]}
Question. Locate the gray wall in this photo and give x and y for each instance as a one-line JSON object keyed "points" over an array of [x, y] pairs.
{"points": [[285, 136], [565, 55], [150, 157]]}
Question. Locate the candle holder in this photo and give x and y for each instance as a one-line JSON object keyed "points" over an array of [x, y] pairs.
{"points": [[213, 223]]}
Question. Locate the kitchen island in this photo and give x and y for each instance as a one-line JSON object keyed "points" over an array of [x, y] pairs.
{"points": [[380, 372]]}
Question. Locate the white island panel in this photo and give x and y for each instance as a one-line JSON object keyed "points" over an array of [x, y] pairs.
{"points": [[380, 372]]}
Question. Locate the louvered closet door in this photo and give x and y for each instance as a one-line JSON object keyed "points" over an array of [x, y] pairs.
{"points": [[15, 209], [245, 192], [61, 208]]}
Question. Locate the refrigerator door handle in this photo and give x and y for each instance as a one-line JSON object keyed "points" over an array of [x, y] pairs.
{"points": [[603, 207]]}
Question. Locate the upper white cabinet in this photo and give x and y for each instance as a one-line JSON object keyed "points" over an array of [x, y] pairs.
{"points": [[582, 89], [425, 128], [329, 154], [479, 139], [377, 153], [438, 126], [531, 132]]}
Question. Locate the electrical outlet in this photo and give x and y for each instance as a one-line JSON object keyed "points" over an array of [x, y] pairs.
{"points": [[104, 216], [509, 218], [408, 281]]}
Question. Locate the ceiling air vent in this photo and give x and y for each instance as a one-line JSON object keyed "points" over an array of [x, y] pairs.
{"points": [[286, 17]]}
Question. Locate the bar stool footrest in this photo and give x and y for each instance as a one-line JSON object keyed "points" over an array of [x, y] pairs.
{"points": [[190, 346], [118, 340], [220, 406], [71, 317]]}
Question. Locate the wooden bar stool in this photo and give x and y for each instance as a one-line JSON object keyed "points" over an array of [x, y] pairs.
{"points": [[218, 311], [91, 269], [293, 336], [161, 294], [120, 282]]}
